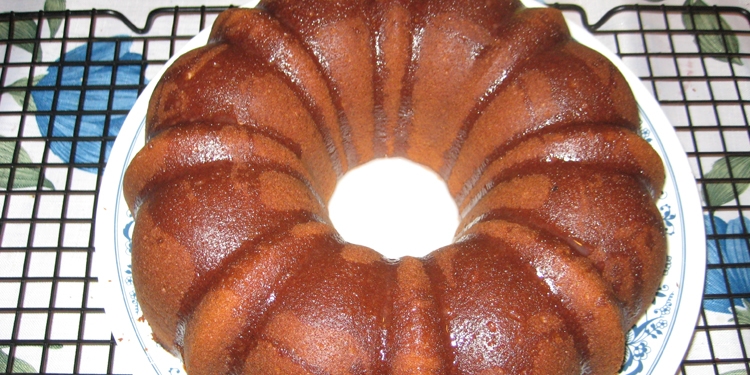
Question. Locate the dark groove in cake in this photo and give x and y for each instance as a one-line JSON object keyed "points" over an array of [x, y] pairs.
{"points": [[254, 328], [333, 92], [306, 98], [571, 321], [582, 64], [527, 219], [315, 114], [202, 284], [345, 127], [451, 155], [377, 24], [387, 307], [436, 279], [263, 55], [524, 219], [539, 128], [166, 177], [524, 216], [496, 154], [531, 165], [250, 128], [502, 150], [289, 354], [497, 86], [406, 108], [536, 166], [279, 138]]}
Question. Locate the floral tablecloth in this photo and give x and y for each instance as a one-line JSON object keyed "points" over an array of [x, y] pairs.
{"points": [[58, 122]]}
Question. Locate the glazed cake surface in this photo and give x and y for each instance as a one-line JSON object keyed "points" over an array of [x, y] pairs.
{"points": [[238, 269]]}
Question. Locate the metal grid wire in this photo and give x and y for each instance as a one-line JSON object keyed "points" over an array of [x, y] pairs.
{"points": [[705, 95], [46, 251]]}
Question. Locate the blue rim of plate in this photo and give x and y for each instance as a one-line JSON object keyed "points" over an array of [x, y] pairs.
{"points": [[656, 345]]}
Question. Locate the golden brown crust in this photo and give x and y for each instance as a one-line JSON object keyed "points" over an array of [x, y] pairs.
{"points": [[235, 262]]}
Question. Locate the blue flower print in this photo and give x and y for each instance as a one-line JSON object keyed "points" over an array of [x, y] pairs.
{"points": [[641, 351], [87, 119], [728, 249]]}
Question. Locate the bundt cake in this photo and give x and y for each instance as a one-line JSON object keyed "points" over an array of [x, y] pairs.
{"points": [[238, 269]]}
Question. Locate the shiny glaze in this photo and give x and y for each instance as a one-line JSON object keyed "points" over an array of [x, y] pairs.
{"points": [[239, 271]]}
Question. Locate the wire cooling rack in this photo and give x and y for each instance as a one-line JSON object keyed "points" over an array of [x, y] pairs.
{"points": [[78, 68]]}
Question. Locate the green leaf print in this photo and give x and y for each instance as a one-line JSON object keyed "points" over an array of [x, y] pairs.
{"points": [[54, 22], [719, 193], [23, 29], [721, 42], [19, 96], [19, 365], [24, 176]]}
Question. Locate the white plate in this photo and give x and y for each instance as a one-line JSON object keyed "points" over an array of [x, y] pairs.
{"points": [[656, 345]]}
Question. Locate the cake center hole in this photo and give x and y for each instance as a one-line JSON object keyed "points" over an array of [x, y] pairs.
{"points": [[394, 206]]}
